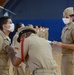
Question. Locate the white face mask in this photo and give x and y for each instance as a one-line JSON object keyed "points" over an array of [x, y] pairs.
{"points": [[11, 29], [66, 20]]}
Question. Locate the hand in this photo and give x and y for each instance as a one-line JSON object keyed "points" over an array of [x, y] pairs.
{"points": [[59, 44]]}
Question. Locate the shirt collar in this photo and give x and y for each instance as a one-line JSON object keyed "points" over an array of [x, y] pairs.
{"points": [[4, 36], [70, 26]]}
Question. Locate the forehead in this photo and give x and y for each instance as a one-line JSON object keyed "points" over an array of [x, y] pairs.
{"points": [[9, 20]]}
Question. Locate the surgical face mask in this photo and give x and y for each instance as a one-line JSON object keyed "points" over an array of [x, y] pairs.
{"points": [[66, 20], [11, 29]]}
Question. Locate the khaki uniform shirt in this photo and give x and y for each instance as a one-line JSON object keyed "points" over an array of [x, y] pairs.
{"points": [[68, 37], [4, 57], [39, 52], [15, 44], [42, 33], [46, 34], [21, 68]]}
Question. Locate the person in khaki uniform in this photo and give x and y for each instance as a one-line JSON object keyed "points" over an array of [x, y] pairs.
{"points": [[21, 68], [30, 25], [67, 44], [41, 32], [6, 26], [72, 15], [37, 29], [37, 53], [46, 33], [15, 44]]}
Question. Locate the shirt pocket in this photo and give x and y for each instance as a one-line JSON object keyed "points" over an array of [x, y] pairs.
{"points": [[69, 38], [6, 42]]}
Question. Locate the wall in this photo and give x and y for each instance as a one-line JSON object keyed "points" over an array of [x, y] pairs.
{"points": [[55, 27], [43, 12], [41, 9]]}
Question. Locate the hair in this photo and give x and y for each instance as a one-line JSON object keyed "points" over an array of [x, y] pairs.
{"points": [[30, 25], [3, 20], [27, 32], [18, 25], [72, 15]]}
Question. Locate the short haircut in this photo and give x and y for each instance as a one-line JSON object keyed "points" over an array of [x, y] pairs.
{"points": [[18, 25], [3, 20], [72, 15]]}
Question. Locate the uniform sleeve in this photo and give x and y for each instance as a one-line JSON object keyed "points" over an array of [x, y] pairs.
{"points": [[15, 44], [26, 46], [72, 34], [1, 43]]}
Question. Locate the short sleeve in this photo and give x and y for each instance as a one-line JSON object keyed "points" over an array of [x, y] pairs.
{"points": [[15, 44]]}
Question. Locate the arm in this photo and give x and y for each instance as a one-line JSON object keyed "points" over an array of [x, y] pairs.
{"points": [[16, 58], [15, 44], [68, 46], [62, 45]]}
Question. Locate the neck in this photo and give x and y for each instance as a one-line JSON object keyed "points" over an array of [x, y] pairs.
{"points": [[69, 24], [6, 32]]}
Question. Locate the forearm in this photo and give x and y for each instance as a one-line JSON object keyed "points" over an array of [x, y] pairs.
{"points": [[10, 51], [68, 46], [15, 60]]}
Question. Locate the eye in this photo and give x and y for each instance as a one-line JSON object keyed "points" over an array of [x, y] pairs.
{"points": [[67, 17], [10, 22]]}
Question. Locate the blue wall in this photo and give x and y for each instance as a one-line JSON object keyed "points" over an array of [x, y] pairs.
{"points": [[41, 9], [55, 27], [42, 12]]}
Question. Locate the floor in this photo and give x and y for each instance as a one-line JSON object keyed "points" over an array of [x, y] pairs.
{"points": [[57, 56]]}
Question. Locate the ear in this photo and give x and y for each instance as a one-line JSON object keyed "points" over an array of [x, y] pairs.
{"points": [[72, 17], [24, 35], [3, 26]]}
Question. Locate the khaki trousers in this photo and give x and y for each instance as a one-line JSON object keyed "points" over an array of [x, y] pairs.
{"points": [[45, 72], [67, 64]]}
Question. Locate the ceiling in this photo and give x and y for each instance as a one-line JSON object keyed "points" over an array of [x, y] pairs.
{"points": [[3, 2], [9, 4], [12, 4]]}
